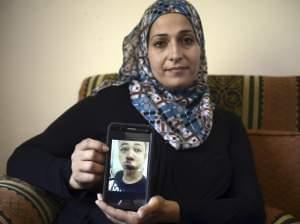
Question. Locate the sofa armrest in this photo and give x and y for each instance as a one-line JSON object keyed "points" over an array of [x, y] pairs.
{"points": [[23, 203], [277, 216]]}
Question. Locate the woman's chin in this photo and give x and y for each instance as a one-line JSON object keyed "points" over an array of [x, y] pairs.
{"points": [[177, 83], [178, 86]]}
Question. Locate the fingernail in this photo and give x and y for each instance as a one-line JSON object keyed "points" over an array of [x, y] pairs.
{"points": [[140, 214], [97, 202], [105, 147], [99, 196]]}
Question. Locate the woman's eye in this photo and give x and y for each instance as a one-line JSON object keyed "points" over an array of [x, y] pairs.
{"points": [[160, 44], [188, 41]]}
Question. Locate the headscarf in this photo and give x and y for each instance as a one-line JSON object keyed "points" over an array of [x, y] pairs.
{"points": [[183, 118]]}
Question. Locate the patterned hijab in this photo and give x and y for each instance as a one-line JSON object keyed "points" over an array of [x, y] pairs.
{"points": [[183, 118]]}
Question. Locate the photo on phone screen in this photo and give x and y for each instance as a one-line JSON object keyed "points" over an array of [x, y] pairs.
{"points": [[126, 182]]}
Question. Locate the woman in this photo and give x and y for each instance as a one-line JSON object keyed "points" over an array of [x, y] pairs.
{"points": [[203, 169]]}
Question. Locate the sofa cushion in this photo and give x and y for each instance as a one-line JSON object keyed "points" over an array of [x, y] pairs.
{"points": [[23, 203], [277, 161], [263, 102]]}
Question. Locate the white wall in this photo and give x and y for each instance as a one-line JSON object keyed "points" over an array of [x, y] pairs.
{"points": [[48, 46]]}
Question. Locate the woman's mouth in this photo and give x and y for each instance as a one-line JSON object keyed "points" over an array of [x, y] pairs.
{"points": [[177, 68]]}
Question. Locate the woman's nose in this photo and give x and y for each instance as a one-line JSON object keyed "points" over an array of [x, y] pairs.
{"points": [[175, 52]]}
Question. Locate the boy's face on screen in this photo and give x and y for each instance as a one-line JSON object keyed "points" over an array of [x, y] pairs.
{"points": [[132, 154]]}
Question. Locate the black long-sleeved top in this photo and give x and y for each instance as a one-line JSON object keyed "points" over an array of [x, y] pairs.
{"points": [[213, 183]]}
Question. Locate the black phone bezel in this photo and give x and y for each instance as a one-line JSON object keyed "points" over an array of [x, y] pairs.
{"points": [[118, 130]]}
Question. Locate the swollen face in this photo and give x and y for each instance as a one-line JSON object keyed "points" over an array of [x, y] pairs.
{"points": [[132, 154], [173, 51]]}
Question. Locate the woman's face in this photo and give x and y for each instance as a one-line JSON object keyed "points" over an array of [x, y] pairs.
{"points": [[173, 51]]}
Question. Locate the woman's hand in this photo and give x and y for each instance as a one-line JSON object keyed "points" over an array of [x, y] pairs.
{"points": [[87, 164], [157, 210]]}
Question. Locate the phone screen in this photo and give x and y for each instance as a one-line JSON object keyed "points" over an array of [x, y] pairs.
{"points": [[126, 182]]}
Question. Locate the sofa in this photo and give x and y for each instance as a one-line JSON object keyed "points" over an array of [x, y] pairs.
{"points": [[270, 110]]}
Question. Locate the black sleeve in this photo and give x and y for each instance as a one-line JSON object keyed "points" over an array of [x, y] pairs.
{"points": [[243, 203], [44, 160]]}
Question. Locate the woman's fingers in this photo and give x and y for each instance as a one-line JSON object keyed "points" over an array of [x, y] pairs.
{"points": [[86, 178], [152, 207], [91, 167], [112, 213], [160, 210], [117, 215], [90, 150], [86, 175], [149, 213], [87, 163], [89, 143], [92, 155]]}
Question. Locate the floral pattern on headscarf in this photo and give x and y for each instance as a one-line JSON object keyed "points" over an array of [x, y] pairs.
{"points": [[183, 118]]}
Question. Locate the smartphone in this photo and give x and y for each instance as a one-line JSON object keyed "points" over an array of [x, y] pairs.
{"points": [[127, 167]]}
